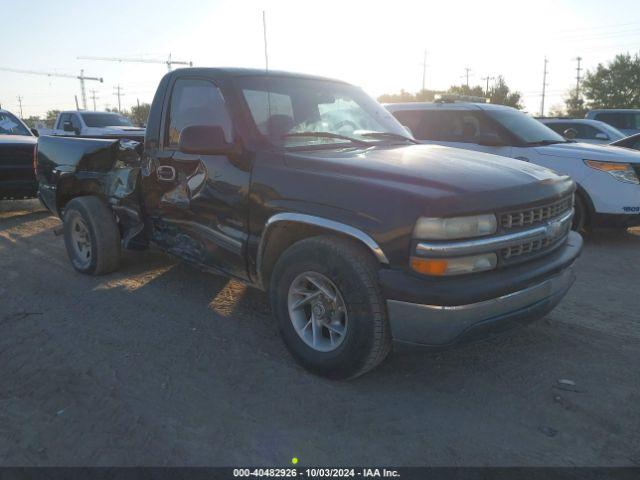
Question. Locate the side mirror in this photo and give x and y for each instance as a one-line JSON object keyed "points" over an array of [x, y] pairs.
{"points": [[205, 140], [490, 140], [570, 133], [602, 136], [35, 132], [67, 127]]}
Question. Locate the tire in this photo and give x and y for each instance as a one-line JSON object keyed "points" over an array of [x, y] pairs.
{"points": [[580, 221], [348, 272], [91, 236]]}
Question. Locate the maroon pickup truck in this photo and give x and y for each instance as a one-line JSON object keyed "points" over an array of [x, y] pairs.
{"points": [[309, 189]]}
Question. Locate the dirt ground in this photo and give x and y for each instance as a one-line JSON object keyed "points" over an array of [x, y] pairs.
{"points": [[160, 364]]}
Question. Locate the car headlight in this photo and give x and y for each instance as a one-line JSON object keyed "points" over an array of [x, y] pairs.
{"points": [[456, 227], [622, 172], [454, 266]]}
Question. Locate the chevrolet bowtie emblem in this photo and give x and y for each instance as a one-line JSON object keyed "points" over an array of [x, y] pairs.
{"points": [[554, 229]]}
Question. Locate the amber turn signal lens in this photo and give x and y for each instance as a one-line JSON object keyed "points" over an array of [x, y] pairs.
{"points": [[429, 266]]}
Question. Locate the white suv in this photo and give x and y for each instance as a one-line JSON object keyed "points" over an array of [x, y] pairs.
{"points": [[583, 130], [607, 177]]}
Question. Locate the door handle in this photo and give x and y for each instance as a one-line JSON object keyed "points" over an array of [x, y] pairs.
{"points": [[166, 173]]}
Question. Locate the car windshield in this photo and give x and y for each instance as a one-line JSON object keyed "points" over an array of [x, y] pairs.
{"points": [[10, 125], [613, 133], [525, 127], [301, 112], [100, 120]]}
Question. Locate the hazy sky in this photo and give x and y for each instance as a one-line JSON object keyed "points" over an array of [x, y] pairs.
{"points": [[376, 45]]}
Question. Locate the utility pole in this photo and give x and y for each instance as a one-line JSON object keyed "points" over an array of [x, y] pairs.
{"points": [[578, 70], [424, 70], [467, 70], [544, 86], [93, 97], [487, 78], [77, 106], [118, 93], [20, 103]]}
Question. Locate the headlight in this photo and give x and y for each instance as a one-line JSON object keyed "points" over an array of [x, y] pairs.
{"points": [[454, 266], [455, 227], [620, 171]]}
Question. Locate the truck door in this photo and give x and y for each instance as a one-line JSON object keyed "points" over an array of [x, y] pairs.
{"points": [[198, 204]]}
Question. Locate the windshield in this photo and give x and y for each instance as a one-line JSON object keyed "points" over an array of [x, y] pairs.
{"points": [[10, 125], [525, 127], [614, 133], [100, 120], [299, 112]]}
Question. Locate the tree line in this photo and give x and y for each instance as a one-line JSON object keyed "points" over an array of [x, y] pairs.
{"points": [[615, 84], [499, 93]]}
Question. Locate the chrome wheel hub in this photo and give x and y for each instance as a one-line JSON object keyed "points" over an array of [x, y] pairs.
{"points": [[317, 311], [81, 240]]}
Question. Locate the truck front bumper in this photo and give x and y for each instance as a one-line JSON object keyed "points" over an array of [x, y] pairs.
{"points": [[481, 305]]}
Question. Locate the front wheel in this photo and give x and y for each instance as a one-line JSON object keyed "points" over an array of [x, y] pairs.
{"points": [[580, 222], [332, 318], [91, 236]]}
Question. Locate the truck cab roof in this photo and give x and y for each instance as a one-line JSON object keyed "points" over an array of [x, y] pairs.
{"points": [[444, 106], [230, 72]]}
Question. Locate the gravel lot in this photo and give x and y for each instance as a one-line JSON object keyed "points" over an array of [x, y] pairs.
{"points": [[160, 364]]}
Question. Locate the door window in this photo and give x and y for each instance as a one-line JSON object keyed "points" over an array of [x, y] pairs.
{"points": [[448, 125], [620, 119], [64, 117], [196, 102], [75, 122], [267, 106]]}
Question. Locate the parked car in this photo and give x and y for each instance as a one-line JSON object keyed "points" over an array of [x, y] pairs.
{"points": [[17, 157], [358, 234], [627, 120], [632, 142], [607, 177], [584, 130], [95, 125]]}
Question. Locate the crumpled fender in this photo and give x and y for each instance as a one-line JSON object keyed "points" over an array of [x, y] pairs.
{"points": [[123, 192]]}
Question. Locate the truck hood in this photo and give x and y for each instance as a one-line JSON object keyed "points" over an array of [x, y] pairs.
{"points": [[589, 152], [17, 140], [462, 179]]}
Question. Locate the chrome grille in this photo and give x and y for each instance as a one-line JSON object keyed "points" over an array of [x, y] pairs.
{"points": [[533, 246], [535, 215]]}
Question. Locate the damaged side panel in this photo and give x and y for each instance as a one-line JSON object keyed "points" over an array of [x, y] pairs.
{"points": [[110, 169]]}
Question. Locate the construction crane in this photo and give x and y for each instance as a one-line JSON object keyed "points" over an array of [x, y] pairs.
{"points": [[167, 62], [80, 77]]}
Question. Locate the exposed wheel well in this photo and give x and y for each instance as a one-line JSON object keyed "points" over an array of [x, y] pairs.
{"points": [[88, 189], [284, 234], [588, 203]]}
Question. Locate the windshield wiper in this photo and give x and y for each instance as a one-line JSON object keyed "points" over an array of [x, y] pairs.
{"points": [[389, 135], [327, 135], [548, 142]]}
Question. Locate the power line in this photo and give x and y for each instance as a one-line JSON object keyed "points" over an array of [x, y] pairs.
{"points": [[80, 77]]}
